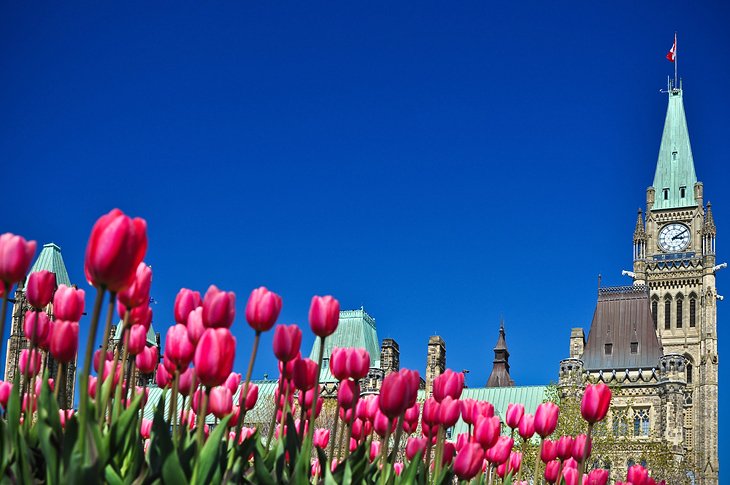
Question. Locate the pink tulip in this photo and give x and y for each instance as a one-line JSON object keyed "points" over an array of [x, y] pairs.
{"points": [[178, 347], [36, 326], [469, 461], [185, 302], [527, 426], [514, 415], [214, 356], [262, 309], [449, 412], [383, 425], [546, 419], [185, 381], [394, 393], [598, 476], [485, 409], [338, 363], [287, 342], [97, 358], [324, 315], [549, 451], [162, 377], [15, 256], [431, 410], [581, 448], [92, 387], [565, 447], [515, 461], [410, 419], [6, 389], [220, 401], [232, 381], [637, 475], [348, 393], [116, 247], [64, 341], [195, 325], [469, 410], [29, 366], [571, 476], [415, 446], [449, 383], [374, 450], [552, 469], [219, 308], [486, 431], [570, 463], [146, 360], [500, 452], [596, 399], [39, 289], [305, 374], [138, 293], [39, 385], [136, 339], [321, 437], [251, 397], [358, 363], [108, 370], [449, 451], [398, 468], [65, 415], [145, 428], [68, 303]]}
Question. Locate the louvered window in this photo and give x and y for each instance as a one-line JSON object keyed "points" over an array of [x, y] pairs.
{"points": [[692, 312], [667, 314]]}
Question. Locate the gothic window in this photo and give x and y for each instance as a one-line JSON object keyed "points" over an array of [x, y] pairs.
{"points": [[654, 308], [682, 191], [641, 422], [680, 300], [692, 311], [689, 373], [667, 312], [634, 347], [619, 422], [666, 194]]}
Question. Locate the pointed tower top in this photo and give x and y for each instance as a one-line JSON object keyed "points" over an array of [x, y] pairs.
{"points": [[500, 367], [50, 259], [501, 341], [709, 226], [639, 231], [675, 176]]}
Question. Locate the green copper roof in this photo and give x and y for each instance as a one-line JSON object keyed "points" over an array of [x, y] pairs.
{"points": [[675, 168], [151, 334], [50, 259], [355, 329]]}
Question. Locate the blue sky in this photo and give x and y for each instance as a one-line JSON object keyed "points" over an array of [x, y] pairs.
{"points": [[441, 164]]}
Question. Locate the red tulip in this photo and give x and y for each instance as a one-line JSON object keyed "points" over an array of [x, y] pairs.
{"points": [[431, 412], [486, 431], [515, 461], [36, 326], [137, 339], [145, 428], [179, 349], [305, 374], [410, 419], [637, 475], [40, 287], [383, 425], [220, 401], [469, 461], [262, 309], [287, 342], [116, 247], [29, 365], [6, 389], [598, 476], [527, 426], [146, 360], [232, 381], [185, 302], [68, 303], [394, 393], [64, 341], [549, 451], [449, 383], [321, 437], [358, 363], [552, 468], [581, 448], [195, 325], [185, 381], [571, 476], [214, 356], [565, 447], [324, 315], [449, 451], [219, 308], [415, 446], [449, 412], [338, 363], [514, 415], [15, 256], [140, 315], [468, 410], [499, 453], [65, 415], [546, 419], [251, 397], [97, 358], [137, 293], [348, 393], [596, 399]]}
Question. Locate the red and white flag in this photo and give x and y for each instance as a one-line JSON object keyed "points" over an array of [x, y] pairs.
{"points": [[672, 54]]}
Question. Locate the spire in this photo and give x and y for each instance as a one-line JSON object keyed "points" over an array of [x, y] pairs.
{"points": [[709, 225], [675, 176], [500, 367], [50, 259], [639, 231]]}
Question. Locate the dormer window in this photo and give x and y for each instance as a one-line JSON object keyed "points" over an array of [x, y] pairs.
{"points": [[608, 349], [634, 347], [666, 194], [674, 156], [682, 191]]}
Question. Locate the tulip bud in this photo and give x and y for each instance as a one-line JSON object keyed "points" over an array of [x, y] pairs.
{"points": [[39, 289], [581, 448], [6, 389], [486, 431], [338, 363], [449, 412], [64, 341], [571, 476], [178, 347], [116, 247], [394, 393], [185, 302], [162, 377], [565, 447], [449, 383], [68, 303], [549, 451], [321, 437], [29, 364], [15, 256], [36, 326], [146, 360], [251, 397], [431, 412], [469, 461], [598, 476], [232, 381], [287, 342], [348, 393], [468, 410], [145, 428], [514, 415], [383, 425], [65, 415], [595, 402], [500, 452], [552, 468], [97, 358], [262, 309], [219, 308], [374, 450], [214, 356], [137, 293], [304, 374], [546, 419], [324, 315], [358, 363], [527, 426], [449, 451], [195, 325], [185, 381], [637, 475], [415, 446], [136, 339], [220, 401]]}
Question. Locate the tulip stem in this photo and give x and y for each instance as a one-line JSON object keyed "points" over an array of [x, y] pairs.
{"points": [[334, 437], [173, 406], [242, 397], [439, 452], [273, 415], [429, 445], [119, 388], [519, 473], [104, 347], [284, 411], [84, 393], [582, 464], [201, 422], [398, 433], [102, 358], [59, 373], [538, 458], [347, 441], [313, 417], [384, 454]]}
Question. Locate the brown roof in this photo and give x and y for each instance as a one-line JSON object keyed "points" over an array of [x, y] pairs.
{"points": [[622, 333], [500, 367]]}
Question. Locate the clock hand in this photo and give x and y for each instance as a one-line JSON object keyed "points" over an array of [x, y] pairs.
{"points": [[677, 236]]}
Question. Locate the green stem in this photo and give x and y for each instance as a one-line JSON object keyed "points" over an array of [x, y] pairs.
{"points": [[334, 436], [519, 473], [313, 417], [537, 461], [582, 463], [429, 446], [398, 433], [201, 422], [242, 398], [102, 357], [173, 406], [273, 416], [84, 384], [384, 454], [439, 452], [115, 363]]}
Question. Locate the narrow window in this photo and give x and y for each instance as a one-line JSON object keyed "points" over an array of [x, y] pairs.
{"points": [[674, 155], [654, 308], [667, 314], [666, 193], [692, 310], [682, 191], [641, 422], [634, 347], [679, 312], [689, 373], [608, 349]]}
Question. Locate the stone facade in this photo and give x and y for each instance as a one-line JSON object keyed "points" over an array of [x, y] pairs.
{"points": [[435, 361]]}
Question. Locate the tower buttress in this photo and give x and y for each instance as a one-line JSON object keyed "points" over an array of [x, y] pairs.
{"points": [[435, 361]]}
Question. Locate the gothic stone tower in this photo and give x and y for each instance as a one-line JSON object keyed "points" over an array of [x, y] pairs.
{"points": [[500, 366], [674, 255], [435, 361]]}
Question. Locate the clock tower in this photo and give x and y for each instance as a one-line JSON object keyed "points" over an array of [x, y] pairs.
{"points": [[674, 255]]}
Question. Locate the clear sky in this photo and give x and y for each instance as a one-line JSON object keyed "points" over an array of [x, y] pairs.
{"points": [[441, 163]]}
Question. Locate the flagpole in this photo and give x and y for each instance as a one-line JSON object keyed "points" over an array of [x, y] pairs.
{"points": [[675, 60]]}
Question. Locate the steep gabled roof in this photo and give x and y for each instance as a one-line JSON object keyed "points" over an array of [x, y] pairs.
{"points": [[622, 333], [50, 259]]}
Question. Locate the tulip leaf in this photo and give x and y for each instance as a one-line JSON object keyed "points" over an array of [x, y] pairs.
{"points": [[409, 474], [263, 475], [347, 475], [210, 455], [112, 477]]}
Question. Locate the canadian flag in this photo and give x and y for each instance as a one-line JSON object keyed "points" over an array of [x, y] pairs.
{"points": [[672, 54]]}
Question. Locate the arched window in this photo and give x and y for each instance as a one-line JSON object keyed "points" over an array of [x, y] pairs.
{"points": [[689, 373], [641, 422], [692, 310], [654, 309], [667, 312], [680, 300]]}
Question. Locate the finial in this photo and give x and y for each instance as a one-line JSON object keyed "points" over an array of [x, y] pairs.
{"points": [[599, 281]]}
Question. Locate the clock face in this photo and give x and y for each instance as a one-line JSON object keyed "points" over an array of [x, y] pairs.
{"points": [[674, 237]]}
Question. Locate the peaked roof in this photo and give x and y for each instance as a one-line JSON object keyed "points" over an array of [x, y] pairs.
{"points": [[500, 368], [675, 166], [622, 333], [50, 259], [355, 329]]}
